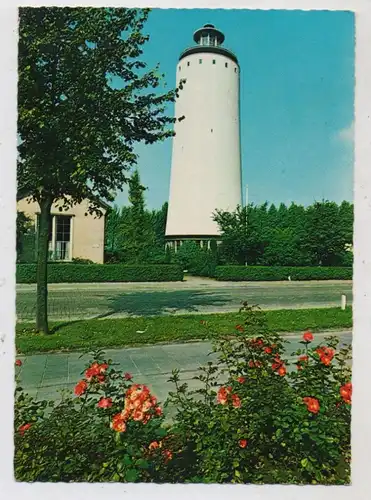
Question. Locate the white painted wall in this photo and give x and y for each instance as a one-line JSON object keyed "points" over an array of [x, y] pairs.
{"points": [[206, 160]]}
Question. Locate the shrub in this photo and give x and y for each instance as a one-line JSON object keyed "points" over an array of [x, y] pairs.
{"points": [[252, 420], [196, 260], [79, 260], [262, 273], [103, 434], [89, 273]]}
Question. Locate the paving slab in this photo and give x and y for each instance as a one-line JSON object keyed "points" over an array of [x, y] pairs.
{"points": [[43, 375]]}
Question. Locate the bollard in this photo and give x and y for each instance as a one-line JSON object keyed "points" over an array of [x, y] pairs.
{"points": [[343, 302]]}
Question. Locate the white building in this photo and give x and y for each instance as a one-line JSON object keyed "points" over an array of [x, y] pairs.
{"points": [[206, 156]]}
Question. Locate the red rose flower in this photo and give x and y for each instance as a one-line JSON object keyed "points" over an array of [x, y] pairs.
{"points": [[326, 355], [241, 380], [167, 455], [236, 402], [277, 363], [240, 328], [222, 396], [128, 376], [308, 336], [118, 423], [281, 371], [23, 428], [154, 445], [267, 350], [80, 388], [312, 404], [105, 403], [158, 411], [242, 443], [18, 362], [346, 392]]}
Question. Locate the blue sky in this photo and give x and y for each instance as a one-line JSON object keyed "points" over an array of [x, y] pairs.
{"points": [[297, 93]]}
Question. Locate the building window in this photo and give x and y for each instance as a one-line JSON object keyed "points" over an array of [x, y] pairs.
{"points": [[200, 61], [59, 237], [235, 70], [188, 63], [226, 65], [63, 237], [180, 68], [214, 61]]}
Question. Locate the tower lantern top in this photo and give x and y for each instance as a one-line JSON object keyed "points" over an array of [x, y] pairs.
{"points": [[208, 40], [209, 36]]}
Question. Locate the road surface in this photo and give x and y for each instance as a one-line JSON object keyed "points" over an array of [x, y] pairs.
{"points": [[69, 301]]}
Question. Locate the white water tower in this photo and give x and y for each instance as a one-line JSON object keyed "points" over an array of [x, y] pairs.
{"points": [[206, 156]]}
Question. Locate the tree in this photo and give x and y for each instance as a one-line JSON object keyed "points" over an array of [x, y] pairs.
{"points": [[77, 129], [243, 240], [325, 242], [136, 232], [158, 221], [283, 249]]}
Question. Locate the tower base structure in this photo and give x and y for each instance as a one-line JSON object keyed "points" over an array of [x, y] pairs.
{"points": [[203, 241]]}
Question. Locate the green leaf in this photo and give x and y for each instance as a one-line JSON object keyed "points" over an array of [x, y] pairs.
{"points": [[127, 460], [304, 462], [143, 464], [131, 475]]}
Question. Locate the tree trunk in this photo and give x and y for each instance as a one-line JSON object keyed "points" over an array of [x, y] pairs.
{"points": [[42, 261]]}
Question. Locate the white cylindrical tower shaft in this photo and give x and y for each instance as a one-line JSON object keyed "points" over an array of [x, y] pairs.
{"points": [[206, 157]]}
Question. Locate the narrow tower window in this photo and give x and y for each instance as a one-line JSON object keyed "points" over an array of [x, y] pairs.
{"points": [[235, 70], [180, 68], [188, 63], [226, 65], [214, 61], [200, 61]]}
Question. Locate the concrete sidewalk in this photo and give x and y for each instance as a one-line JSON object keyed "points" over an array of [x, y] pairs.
{"points": [[42, 375]]}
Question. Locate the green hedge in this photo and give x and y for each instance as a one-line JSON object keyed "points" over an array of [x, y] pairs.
{"points": [[91, 273], [265, 273]]}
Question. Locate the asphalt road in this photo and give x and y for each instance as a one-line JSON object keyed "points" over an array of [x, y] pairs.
{"points": [[68, 301]]}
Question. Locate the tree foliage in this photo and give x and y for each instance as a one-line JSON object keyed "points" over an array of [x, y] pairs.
{"points": [[287, 236]]}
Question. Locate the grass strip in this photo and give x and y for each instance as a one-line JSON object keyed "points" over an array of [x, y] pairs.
{"points": [[124, 332]]}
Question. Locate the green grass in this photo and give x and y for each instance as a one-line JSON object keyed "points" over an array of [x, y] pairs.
{"points": [[110, 333]]}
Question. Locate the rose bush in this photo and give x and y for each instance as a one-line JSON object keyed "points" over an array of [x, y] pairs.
{"points": [[256, 417]]}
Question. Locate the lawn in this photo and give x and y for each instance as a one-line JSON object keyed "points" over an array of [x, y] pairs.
{"points": [[110, 333]]}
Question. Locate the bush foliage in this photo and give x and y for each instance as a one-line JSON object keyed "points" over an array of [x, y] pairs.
{"points": [[196, 260], [91, 273], [253, 419], [266, 273]]}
